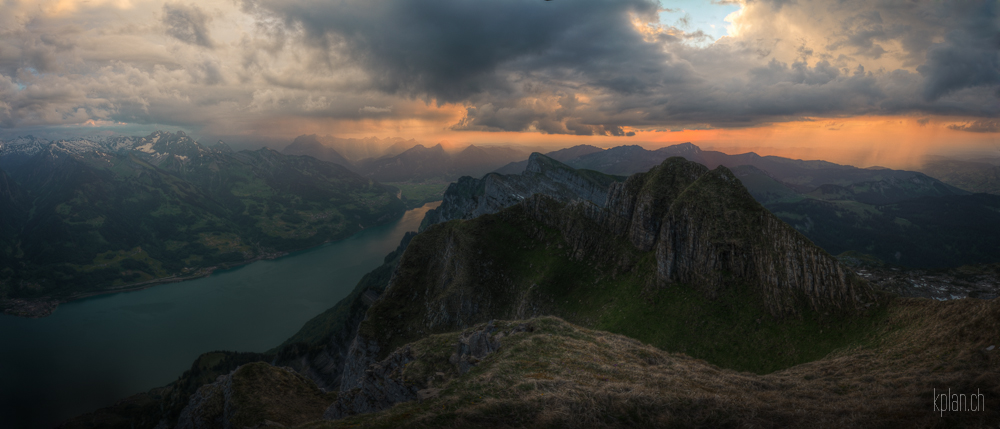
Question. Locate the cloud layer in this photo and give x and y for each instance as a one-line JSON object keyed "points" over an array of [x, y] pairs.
{"points": [[567, 67]]}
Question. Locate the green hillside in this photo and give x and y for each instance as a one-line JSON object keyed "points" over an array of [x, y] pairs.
{"points": [[97, 221]]}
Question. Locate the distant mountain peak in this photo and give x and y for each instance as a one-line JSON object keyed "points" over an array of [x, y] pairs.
{"points": [[221, 146], [682, 148], [539, 163]]}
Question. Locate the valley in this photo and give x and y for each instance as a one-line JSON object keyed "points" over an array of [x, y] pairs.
{"points": [[122, 343]]}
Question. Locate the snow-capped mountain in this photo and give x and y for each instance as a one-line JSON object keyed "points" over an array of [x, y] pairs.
{"points": [[154, 148]]}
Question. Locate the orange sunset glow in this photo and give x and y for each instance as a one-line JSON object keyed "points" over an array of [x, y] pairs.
{"points": [[791, 79]]}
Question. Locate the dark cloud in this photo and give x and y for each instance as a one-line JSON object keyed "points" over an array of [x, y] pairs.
{"points": [[980, 126], [208, 73], [970, 54], [187, 24], [582, 67], [450, 50], [521, 65], [862, 31], [501, 57]]}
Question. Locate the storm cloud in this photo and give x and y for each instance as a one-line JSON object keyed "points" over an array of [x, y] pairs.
{"points": [[980, 126], [526, 65], [187, 24], [969, 56], [582, 67]]}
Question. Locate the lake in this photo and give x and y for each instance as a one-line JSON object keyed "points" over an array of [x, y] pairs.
{"points": [[93, 352]]}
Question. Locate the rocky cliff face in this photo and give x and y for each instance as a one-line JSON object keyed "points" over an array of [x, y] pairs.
{"points": [[325, 365], [636, 207], [715, 234], [470, 198], [320, 349], [391, 380], [379, 387], [707, 230]]}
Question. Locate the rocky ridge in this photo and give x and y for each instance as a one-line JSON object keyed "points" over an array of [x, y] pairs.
{"points": [[385, 384], [469, 198]]}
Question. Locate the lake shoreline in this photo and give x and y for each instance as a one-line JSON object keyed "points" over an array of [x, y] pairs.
{"points": [[35, 308], [44, 306], [123, 343]]}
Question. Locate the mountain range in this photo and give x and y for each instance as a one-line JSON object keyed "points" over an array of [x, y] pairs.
{"points": [[900, 217], [888, 219], [969, 175], [676, 299], [350, 150], [407, 160], [84, 217], [803, 176]]}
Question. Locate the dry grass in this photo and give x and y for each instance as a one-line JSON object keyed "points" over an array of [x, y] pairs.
{"points": [[261, 393], [561, 375]]}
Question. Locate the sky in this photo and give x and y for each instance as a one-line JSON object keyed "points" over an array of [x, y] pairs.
{"points": [[872, 82]]}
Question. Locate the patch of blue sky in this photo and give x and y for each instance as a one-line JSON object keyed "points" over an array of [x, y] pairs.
{"points": [[709, 16]]}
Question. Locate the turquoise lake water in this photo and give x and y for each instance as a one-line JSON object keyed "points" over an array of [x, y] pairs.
{"points": [[94, 352]]}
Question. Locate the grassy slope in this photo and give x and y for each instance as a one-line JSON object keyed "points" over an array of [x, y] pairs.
{"points": [[262, 393], [561, 375]]}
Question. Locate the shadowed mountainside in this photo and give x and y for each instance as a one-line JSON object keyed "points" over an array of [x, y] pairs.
{"points": [[101, 216], [560, 155], [922, 232], [970, 176]]}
